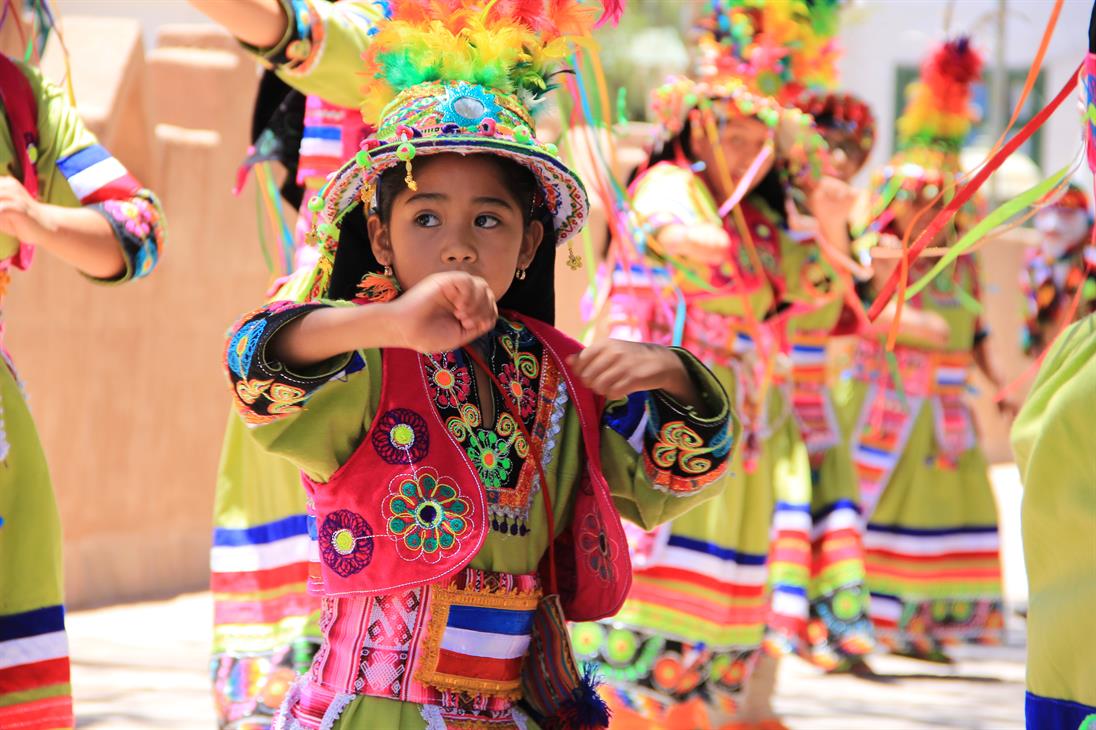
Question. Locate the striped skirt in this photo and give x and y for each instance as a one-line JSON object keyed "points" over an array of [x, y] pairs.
{"points": [[265, 629]]}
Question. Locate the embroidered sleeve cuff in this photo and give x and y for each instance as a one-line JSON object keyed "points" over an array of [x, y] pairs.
{"points": [[303, 38], [685, 449], [139, 229], [265, 390]]}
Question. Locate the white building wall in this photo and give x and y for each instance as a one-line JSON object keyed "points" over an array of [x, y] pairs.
{"points": [[879, 35]]}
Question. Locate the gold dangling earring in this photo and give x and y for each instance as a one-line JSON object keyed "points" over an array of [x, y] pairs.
{"points": [[520, 274], [574, 261]]}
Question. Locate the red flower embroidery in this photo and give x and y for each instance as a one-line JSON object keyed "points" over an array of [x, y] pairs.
{"points": [[600, 553], [449, 383], [519, 391]]}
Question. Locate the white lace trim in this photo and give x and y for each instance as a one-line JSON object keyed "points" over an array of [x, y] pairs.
{"points": [[284, 720]]}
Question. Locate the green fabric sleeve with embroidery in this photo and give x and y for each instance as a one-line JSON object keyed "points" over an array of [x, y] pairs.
{"points": [[322, 47], [134, 214], [657, 467]]}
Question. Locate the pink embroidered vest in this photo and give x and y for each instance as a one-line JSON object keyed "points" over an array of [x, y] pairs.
{"points": [[410, 509]]}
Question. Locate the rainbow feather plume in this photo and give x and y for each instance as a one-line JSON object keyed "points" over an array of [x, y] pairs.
{"points": [[513, 46], [938, 109], [778, 49]]}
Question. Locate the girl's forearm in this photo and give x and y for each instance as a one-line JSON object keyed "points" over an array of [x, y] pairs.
{"points": [[259, 23], [82, 238]]}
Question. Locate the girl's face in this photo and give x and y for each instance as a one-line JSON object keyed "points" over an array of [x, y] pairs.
{"points": [[1062, 229], [741, 139], [847, 154], [463, 217], [907, 217]]}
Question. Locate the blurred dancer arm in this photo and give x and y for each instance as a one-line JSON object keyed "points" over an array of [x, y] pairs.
{"points": [[678, 214], [315, 46], [259, 23], [90, 211]]}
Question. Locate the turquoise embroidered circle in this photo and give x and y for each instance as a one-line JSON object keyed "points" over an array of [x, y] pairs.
{"points": [[427, 514], [241, 350]]}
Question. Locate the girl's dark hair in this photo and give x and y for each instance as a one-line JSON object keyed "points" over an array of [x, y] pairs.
{"points": [[535, 296]]}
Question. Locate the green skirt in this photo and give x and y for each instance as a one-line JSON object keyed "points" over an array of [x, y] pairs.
{"points": [[1053, 445], [35, 693], [932, 549], [839, 629]]}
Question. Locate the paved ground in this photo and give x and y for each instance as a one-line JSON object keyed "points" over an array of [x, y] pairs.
{"points": [[144, 666]]}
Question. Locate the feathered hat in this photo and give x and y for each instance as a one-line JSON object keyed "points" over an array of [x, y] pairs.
{"points": [[777, 49], [1073, 198], [842, 112], [754, 58], [450, 76], [936, 121]]}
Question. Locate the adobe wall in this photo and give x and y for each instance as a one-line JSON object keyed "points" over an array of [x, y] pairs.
{"points": [[125, 382]]}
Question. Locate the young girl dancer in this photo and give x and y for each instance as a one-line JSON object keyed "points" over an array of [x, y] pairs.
{"points": [[451, 453]]}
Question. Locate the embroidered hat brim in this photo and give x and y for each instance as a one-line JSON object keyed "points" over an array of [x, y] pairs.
{"points": [[564, 194]]}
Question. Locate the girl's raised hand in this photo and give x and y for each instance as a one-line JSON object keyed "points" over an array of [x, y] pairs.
{"points": [[444, 311]]}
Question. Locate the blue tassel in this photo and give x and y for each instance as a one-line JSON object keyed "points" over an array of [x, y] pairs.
{"points": [[585, 710]]}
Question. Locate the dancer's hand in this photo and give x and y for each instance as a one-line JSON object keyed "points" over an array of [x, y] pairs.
{"points": [[444, 312], [21, 216], [832, 200], [80, 237], [704, 243], [615, 369]]}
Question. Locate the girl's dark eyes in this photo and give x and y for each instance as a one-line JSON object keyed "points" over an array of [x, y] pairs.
{"points": [[429, 220]]}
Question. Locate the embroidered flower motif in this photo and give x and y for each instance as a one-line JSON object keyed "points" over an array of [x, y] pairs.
{"points": [[449, 383], [134, 215], [346, 542], [285, 399], [680, 445], [519, 391], [249, 391], [242, 348], [428, 514], [491, 457], [400, 437], [600, 553]]}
